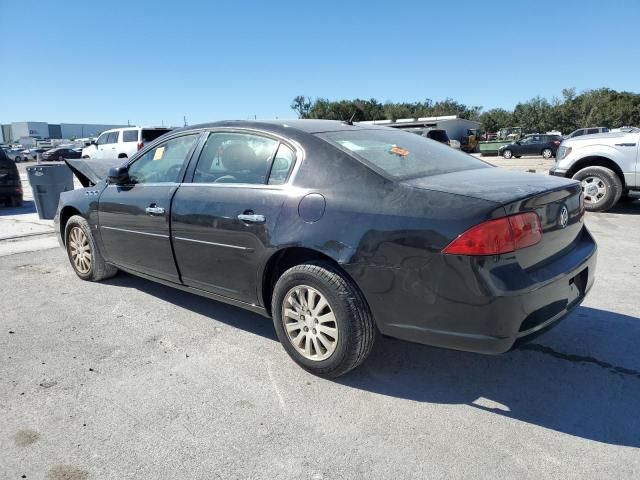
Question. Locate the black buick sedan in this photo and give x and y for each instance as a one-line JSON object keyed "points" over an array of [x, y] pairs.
{"points": [[338, 231]]}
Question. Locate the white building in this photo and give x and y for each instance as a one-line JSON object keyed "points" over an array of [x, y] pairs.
{"points": [[455, 127], [30, 131]]}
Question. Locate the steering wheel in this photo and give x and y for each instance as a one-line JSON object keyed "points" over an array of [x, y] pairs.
{"points": [[225, 179]]}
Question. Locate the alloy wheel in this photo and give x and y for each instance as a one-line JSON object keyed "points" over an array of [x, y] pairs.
{"points": [[507, 154], [79, 250], [310, 323], [594, 189], [547, 153]]}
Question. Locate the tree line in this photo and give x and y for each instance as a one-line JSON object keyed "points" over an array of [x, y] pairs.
{"points": [[601, 107]]}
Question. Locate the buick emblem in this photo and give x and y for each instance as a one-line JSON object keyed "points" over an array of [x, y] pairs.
{"points": [[564, 217]]}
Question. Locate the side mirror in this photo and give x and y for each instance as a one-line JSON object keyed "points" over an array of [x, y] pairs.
{"points": [[118, 175], [93, 142]]}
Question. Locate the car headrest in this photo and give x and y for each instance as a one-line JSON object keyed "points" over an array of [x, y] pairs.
{"points": [[240, 157]]}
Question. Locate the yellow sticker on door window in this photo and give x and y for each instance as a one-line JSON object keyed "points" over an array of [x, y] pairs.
{"points": [[159, 153]]}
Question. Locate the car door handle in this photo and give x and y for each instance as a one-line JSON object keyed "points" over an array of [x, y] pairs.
{"points": [[251, 218], [153, 210]]}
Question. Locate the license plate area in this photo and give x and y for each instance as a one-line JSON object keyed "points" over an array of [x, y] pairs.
{"points": [[578, 285]]}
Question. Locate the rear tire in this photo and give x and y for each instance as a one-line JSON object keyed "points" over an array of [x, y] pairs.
{"points": [[507, 154], [17, 159], [322, 320], [601, 186], [84, 256], [547, 153]]}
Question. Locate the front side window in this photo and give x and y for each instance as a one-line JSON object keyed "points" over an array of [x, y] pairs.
{"points": [[164, 162], [130, 136], [402, 155], [102, 139], [235, 158]]}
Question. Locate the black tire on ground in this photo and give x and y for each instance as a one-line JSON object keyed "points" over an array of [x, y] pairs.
{"points": [[355, 324], [507, 154], [610, 180], [547, 153], [60, 158], [99, 269], [17, 159], [518, 156]]}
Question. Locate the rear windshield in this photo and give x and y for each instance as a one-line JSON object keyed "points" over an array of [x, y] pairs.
{"points": [[151, 134], [402, 155], [438, 136]]}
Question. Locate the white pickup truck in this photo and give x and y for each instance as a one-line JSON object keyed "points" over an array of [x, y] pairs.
{"points": [[605, 163]]}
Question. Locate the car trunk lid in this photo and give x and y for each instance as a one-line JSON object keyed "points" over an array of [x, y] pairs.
{"points": [[557, 202]]}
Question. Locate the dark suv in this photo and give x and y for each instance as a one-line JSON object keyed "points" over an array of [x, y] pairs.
{"points": [[10, 184], [536, 144]]}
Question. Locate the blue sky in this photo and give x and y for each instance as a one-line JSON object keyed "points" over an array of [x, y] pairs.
{"points": [[149, 62]]}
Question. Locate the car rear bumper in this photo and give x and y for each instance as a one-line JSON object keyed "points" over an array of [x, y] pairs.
{"points": [[481, 305], [558, 172]]}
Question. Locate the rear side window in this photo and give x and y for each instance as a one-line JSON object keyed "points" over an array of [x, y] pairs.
{"points": [[130, 136], [281, 165], [402, 155], [149, 135], [235, 158]]}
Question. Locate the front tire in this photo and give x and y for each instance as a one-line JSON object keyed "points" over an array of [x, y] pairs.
{"points": [[601, 187], [84, 256], [507, 154], [322, 320], [18, 159]]}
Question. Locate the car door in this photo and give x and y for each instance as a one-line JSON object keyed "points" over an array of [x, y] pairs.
{"points": [[99, 146], [109, 149], [223, 220], [134, 216]]}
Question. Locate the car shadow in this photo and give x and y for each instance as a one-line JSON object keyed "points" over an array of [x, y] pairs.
{"points": [[559, 388], [627, 208], [28, 206]]}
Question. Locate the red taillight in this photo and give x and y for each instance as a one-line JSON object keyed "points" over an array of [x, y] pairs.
{"points": [[556, 142], [495, 237], [140, 145], [19, 189]]}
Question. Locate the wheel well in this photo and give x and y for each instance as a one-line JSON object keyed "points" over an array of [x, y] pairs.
{"points": [[596, 162], [283, 260], [123, 155], [65, 215]]}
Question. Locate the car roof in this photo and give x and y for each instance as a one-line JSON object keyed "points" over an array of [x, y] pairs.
{"points": [[281, 126]]}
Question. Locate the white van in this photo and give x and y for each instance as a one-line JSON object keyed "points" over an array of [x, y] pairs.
{"points": [[122, 142]]}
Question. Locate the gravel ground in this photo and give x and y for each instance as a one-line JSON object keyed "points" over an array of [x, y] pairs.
{"points": [[131, 379]]}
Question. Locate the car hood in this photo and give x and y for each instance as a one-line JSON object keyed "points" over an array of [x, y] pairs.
{"points": [[493, 184], [91, 171]]}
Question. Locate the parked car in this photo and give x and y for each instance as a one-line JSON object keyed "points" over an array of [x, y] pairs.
{"points": [[586, 131], [536, 144], [16, 155], [607, 165], [122, 142], [10, 184], [60, 153], [337, 231], [32, 153]]}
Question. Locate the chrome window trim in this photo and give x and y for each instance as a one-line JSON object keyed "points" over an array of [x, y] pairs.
{"points": [[298, 149]]}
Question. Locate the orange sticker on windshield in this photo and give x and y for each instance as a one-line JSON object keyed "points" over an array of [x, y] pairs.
{"points": [[159, 153], [403, 152]]}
